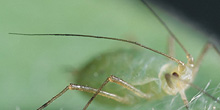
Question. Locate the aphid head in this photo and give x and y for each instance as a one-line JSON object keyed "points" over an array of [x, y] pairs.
{"points": [[174, 77]]}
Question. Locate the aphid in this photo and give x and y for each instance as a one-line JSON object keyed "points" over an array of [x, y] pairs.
{"points": [[174, 76]]}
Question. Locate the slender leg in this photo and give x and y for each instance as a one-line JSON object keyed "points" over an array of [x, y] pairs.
{"points": [[184, 98], [182, 92], [54, 98], [201, 56], [122, 83], [99, 92], [171, 47], [85, 89]]}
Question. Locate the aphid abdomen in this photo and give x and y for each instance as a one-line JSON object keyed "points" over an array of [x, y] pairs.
{"points": [[138, 68]]}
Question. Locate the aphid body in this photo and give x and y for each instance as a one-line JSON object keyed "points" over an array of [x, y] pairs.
{"points": [[142, 69], [136, 74]]}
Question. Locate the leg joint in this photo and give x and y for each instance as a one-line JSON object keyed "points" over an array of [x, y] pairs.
{"points": [[113, 78], [74, 86]]}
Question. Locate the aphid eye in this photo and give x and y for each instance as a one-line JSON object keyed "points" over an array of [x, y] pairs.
{"points": [[175, 74]]}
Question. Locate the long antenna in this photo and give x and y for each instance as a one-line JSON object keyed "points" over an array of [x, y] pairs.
{"points": [[110, 38], [166, 27]]}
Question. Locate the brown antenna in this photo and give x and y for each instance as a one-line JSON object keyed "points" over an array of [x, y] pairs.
{"points": [[166, 27], [110, 38]]}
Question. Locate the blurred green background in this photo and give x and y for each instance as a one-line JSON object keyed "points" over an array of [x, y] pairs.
{"points": [[34, 69]]}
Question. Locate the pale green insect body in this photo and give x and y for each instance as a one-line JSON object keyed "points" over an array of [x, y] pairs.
{"points": [[137, 67]]}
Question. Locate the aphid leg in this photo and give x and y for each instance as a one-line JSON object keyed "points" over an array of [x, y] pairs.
{"points": [[182, 92], [201, 56], [171, 46], [184, 98], [122, 83], [54, 98], [85, 89]]}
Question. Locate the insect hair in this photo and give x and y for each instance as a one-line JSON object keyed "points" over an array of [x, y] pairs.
{"points": [[198, 101]]}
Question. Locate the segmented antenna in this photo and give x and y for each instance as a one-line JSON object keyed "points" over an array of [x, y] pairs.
{"points": [[128, 41], [166, 27], [110, 38]]}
